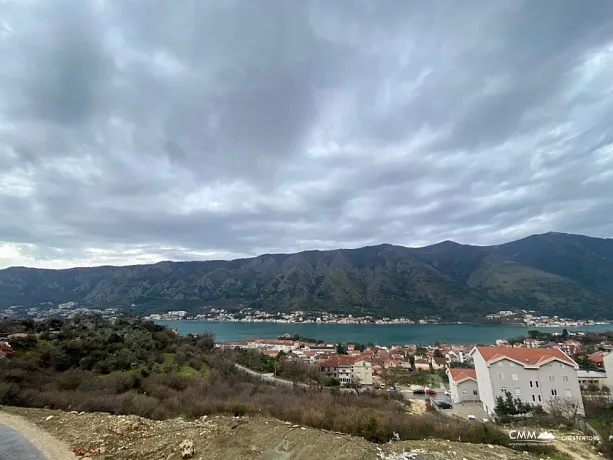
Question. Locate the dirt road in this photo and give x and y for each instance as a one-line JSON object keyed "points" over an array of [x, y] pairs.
{"points": [[21, 439]]}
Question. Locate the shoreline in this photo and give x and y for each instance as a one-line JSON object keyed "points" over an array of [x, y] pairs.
{"points": [[315, 323]]}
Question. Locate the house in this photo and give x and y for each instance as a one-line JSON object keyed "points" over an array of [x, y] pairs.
{"points": [[439, 363], [6, 349], [346, 369], [534, 375], [591, 380], [463, 385], [422, 364], [596, 359]]}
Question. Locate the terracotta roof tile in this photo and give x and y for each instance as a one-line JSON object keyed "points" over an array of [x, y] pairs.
{"points": [[458, 374], [527, 356]]}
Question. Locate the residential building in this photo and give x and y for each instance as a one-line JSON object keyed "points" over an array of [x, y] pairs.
{"points": [[463, 385], [597, 359], [534, 375], [608, 366], [346, 368], [591, 380]]}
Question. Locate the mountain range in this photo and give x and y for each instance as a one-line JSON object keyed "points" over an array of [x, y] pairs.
{"points": [[552, 273]]}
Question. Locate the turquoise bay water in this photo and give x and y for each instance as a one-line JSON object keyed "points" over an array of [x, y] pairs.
{"points": [[382, 334]]}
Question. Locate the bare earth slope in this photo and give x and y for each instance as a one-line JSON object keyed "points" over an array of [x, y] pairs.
{"points": [[105, 437]]}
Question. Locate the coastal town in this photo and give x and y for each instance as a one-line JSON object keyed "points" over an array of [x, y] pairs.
{"points": [[250, 315], [541, 369]]}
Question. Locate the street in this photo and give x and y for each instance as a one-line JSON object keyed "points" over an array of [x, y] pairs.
{"points": [[14, 446]]}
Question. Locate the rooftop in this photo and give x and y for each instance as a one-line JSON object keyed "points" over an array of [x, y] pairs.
{"points": [[526, 356], [458, 374]]}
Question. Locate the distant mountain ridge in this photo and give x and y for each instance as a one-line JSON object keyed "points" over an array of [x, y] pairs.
{"points": [[553, 273]]}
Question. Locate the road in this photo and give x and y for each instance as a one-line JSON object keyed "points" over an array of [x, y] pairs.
{"points": [[21, 440], [13, 446]]}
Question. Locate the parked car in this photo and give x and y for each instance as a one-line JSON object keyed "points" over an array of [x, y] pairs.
{"points": [[419, 391], [471, 417], [430, 392], [444, 405], [391, 389]]}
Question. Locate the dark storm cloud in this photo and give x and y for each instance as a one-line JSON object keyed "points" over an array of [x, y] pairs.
{"points": [[134, 131]]}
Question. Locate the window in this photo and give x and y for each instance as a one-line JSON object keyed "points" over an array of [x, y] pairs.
{"points": [[565, 378], [511, 364], [515, 377], [501, 376], [554, 392], [530, 383], [533, 398], [499, 363], [567, 393], [539, 398], [536, 383], [517, 392], [464, 392], [503, 390], [552, 378], [475, 393]]}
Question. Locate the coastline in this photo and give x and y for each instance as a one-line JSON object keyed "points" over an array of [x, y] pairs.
{"points": [[228, 331], [441, 323]]}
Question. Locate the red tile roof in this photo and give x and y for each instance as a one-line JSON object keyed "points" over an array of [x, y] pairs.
{"points": [[338, 360], [597, 357], [457, 374], [526, 356]]}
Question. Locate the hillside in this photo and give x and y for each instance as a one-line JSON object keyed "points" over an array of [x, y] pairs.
{"points": [[554, 273], [125, 437]]}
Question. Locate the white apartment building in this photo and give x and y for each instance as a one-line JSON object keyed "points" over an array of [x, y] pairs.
{"points": [[463, 385], [535, 375], [607, 361]]}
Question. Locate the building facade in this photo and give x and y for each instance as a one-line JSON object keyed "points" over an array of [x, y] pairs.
{"points": [[539, 376], [463, 385], [347, 370], [608, 366]]}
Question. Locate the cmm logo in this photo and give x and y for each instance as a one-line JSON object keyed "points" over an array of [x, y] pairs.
{"points": [[525, 435]]}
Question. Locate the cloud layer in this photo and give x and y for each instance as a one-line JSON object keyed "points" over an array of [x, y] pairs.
{"points": [[135, 131]]}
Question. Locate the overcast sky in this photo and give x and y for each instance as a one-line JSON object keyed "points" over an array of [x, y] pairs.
{"points": [[137, 131]]}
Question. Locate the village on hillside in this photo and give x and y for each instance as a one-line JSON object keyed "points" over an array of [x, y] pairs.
{"points": [[542, 369]]}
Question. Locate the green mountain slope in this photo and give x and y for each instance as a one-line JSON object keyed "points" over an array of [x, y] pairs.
{"points": [[453, 281]]}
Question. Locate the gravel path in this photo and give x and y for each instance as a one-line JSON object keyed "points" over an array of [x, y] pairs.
{"points": [[20, 439]]}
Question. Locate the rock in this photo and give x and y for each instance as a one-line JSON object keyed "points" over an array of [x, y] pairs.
{"points": [[101, 450], [49, 418], [186, 449]]}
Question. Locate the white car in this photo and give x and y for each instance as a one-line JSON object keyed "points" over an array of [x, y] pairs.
{"points": [[447, 393]]}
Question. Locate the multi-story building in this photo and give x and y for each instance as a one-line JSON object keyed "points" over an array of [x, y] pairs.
{"points": [[535, 375], [463, 385], [347, 369], [608, 366]]}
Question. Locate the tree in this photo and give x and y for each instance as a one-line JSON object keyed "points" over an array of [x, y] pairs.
{"points": [[206, 340], [341, 349], [412, 361], [508, 406], [438, 353], [564, 334], [566, 409], [355, 384]]}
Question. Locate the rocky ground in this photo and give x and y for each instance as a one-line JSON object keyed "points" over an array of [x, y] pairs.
{"points": [[100, 436]]}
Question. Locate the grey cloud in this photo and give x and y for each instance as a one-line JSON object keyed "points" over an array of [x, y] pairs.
{"points": [[135, 131]]}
